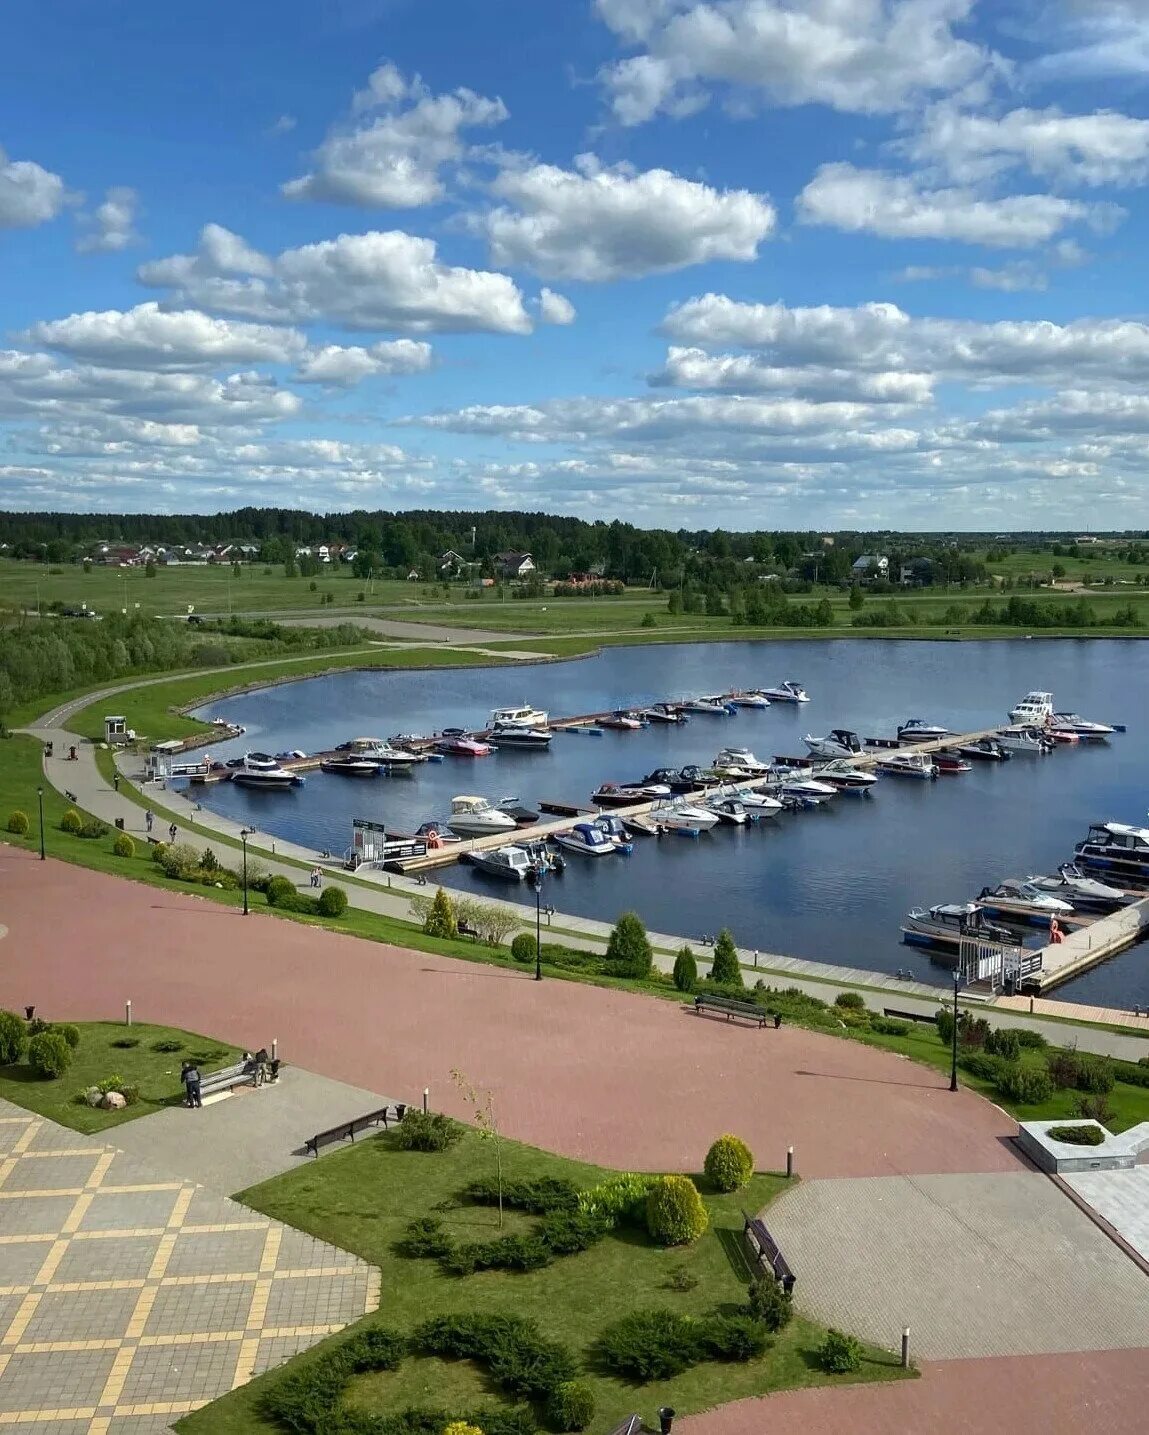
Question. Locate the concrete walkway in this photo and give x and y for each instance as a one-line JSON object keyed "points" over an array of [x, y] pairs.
{"points": [[391, 895], [252, 1135]]}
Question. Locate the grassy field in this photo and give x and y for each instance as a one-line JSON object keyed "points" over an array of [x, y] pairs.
{"points": [[363, 1199], [156, 1073]]}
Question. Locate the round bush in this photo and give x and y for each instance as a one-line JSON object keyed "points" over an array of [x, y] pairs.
{"points": [[159, 852], [123, 846], [523, 950], [70, 1033], [651, 1344], [13, 1034], [852, 1001], [675, 1215], [279, 889], [1027, 1085], [769, 1303], [839, 1353], [18, 823], [571, 1406], [332, 902], [72, 822], [729, 1163], [49, 1055]]}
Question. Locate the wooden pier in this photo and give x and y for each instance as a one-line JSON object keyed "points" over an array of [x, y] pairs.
{"points": [[1089, 945]]}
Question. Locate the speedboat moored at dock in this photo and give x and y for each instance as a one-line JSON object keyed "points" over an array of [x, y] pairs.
{"points": [[586, 839], [1118, 847], [918, 730], [529, 739], [787, 692], [478, 817], [986, 749], [839, 742], [1086, 893], [1071, 722], [1024, 740], [844, 774], [1014, 901], [455, 742], [907, 764], [946, 924], [518, 717]]}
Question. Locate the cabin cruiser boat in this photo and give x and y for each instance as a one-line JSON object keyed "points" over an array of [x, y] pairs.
{"points": [[908, 764], [949, 764], [839, 742], [613, 794], [797, 783], [1014, 901], [843, 774], [350, 766], [730, 809], [663, 712], [681, 816], [755, 698], [918, 730], [1116, 846], [382, 754], [478, 817], [615, 831], [260, 770], [531, 739], [760, 805], [1034, 708], [716, 706], [1070, 722], [674, 779], [986, 749], [456, 743], [742, 758], [621, 720], [518, 717], [513, 862], [787, 692], [1086, 893], [946, 924], [1031, 741], [586, 839], [435, 834]]}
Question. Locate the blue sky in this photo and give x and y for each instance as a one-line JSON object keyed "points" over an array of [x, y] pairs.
{"points": [[749, 263]]}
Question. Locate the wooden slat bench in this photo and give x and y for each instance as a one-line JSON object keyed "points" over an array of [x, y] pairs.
{"points": [[747, 1011], [347, 1130], [213, 1082], [898, 1015], [766, 1251]]}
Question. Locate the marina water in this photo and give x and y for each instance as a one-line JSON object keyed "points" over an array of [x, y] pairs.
{"points": [[830, 885]]}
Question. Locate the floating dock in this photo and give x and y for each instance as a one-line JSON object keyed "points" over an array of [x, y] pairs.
{"points": [[1089, 945]]}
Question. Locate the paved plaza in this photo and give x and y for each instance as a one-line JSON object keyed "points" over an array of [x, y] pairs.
{"points": [[1119, 1197], [129, 1297]]}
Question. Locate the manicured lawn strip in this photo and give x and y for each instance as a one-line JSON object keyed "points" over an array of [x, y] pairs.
{"points": [[362, 1200], [157, 1074]]}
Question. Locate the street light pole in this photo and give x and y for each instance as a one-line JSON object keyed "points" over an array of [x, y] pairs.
{"points": [[538, 921], [954, 1034], [40, 800], [244, 834]]}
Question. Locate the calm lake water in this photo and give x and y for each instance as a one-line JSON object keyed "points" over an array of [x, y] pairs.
{"points": [[830, 884]]}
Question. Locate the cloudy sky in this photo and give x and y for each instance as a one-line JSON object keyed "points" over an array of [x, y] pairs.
{"points": [[751, 263]]}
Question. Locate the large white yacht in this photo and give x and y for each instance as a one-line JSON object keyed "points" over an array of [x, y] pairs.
{"points": [[478, 817], [1035, 707], [787, 692], [518, 717]]}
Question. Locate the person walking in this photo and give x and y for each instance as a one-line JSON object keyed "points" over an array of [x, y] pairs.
{"points": [[116, 781], [149, 820], [316, 877], [172, 830], [192, 1079]]}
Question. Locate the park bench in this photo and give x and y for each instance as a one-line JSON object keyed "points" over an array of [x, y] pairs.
{"points": [[347, 1130], [632, 1425], [766, 1251], [748, 1011], [897, 1015], [227, 1077]]}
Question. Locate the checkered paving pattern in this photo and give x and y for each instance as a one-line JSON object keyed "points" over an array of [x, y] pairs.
{"points": [[127, 1299]]}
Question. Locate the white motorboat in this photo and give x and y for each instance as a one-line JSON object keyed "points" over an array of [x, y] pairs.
{"points": [[1035, 707], [715, 706], [752, 699], [587, 839], [1116, 846], [1084, 892], [529, 739], [615, 831], [348, 765], [918, 730], [760, 804], [1070, 722], [621, 721], [908, 764], [260, 770], [684, 817], [518, 717], [839, 742], [478, 817], [742, 758], [947, 923], [845, 774], [1021, 739], [730, 809], [663, 713], [799, 783], [383, 754], [512, 862], [1022, 902], [787, 692]]}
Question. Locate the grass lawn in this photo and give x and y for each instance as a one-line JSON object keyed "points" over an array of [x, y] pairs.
{"points": [[362, 1200], [156, 1073]]}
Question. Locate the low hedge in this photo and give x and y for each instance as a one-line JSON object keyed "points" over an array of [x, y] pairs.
{"points": [[656, 1344], [519, 1358], [537, 1197], [565, 1230], [426, 1131], [1077, 1135]]}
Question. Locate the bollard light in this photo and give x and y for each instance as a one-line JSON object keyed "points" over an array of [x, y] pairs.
{"points": [[426, 1098], [789, 1161], [906, 1348], [128, 1012]]}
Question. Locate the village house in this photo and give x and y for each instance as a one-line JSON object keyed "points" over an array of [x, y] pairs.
{"points": [[515, 565], [870, 566]]}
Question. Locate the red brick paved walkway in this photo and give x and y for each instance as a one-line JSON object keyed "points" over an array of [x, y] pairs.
{"points": [[621, 1079]]}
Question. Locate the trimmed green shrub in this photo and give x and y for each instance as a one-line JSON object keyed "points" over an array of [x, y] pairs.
{"points": [[571, 1406], [72, 822], [307, 1401], [566, 1233], [93, 827], [279, 891], [675, 1215], [505, 1253], [622, 1198], [13, 1034], [1077, 1135], [769, 1303], [123, 846], [167, 1043], [1094, 1074], [440, 920], [523, 947], [729, 1163], [18, 823], [1028, 1039], [426, 1131], [734, 1337], [332, 902], [125, 1043], [853, 1000], [159, 852], [944, 1020], [848, 1017], [839, 1353], [889, 1026], [725, 969], [628, 952], [70, 1033], [1002, 1041], [37, 1025], [650, 1344], [685, 970], [982, 1064], [1063, 1068], [179, 860], [538, 1197], [1025, 1084], [425, 1238], [49, 1055], [522, 1361]]}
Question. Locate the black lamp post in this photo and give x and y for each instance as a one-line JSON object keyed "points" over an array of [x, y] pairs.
{"points": [[40, 800], [954, 1033], [244, 834], [539, 874]]}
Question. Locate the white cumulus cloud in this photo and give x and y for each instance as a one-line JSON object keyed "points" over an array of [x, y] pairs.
{"points": [[29, 194], [112, 225], [555, 308], [343, 367]]}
